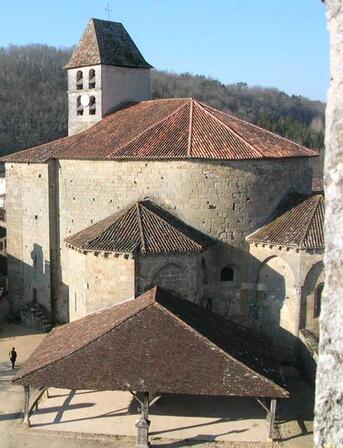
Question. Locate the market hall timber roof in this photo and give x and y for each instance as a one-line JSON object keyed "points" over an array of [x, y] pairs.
{"points": [[144, 227], [166, 129], [155, 343], [108, 43], [300, 227]]}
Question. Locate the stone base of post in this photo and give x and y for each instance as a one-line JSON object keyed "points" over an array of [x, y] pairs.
{"points": [[143, 433]]}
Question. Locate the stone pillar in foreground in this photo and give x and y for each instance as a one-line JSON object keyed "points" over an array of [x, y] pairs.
{"points": [[328, 425]]}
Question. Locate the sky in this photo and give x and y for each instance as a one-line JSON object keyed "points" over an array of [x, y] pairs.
{"points": [[271, 43]]}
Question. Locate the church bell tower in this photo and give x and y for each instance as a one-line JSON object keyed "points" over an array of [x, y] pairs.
{"points": [[106, 69]]}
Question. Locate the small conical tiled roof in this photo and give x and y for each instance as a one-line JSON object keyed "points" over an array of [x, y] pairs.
{"points": [[301, 227], [144, 227], [109, 43]]}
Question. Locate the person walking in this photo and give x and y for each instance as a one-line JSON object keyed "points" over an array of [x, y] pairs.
{"points": [[13, 356]]}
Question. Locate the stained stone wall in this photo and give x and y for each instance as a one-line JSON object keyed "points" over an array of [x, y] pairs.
{"points": [[284, 281], [96, 280], [179, 273], [328, 428], [227, 200], [28, 242]]}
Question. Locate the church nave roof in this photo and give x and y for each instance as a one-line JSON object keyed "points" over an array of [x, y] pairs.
{"points": [[179, 128]]}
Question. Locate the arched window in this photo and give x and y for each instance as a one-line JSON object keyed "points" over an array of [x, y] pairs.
{"points": [[92, 106], [79, 107], [91, 79], [317, 301], [227, 274], [79, 80]]}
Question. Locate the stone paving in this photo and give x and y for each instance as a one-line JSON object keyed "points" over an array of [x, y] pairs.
{"points": [[295, 415]]}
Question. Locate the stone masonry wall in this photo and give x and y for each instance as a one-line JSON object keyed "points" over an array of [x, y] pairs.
{"points": [[96, 281], [28, 242], [283, 278], [328, 428], [227, 200]]}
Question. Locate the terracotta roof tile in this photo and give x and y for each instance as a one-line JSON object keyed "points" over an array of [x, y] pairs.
{"points": [[167, 129], [301, 227], [109, 43], [156, 343], [143, 227]]}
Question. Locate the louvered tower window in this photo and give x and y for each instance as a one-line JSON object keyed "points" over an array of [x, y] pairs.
{"points": [[79, 107], [91, 79], [92, 106], [79, 80]]}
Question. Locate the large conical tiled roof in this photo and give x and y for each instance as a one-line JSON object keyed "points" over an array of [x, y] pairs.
{"points": [[301, 227], [157, 343], [167, 129], [109, 43], [143, 227]]}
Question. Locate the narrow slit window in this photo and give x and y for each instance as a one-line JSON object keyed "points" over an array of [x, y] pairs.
{"points": [[91, 79], [34, 295], [92, 106], [79, 80]]}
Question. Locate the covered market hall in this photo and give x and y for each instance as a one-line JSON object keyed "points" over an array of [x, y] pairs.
{"points": [[153, 346]]}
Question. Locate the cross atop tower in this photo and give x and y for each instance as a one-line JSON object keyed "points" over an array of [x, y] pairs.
{"points": [[109, 10]]}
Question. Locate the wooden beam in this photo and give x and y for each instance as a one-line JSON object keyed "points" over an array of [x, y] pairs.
{"points": [[272, 419], [26, 420]]}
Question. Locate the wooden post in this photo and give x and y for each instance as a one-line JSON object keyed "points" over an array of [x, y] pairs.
{"points": [[26, 420], [272, 419], [143, 424]]}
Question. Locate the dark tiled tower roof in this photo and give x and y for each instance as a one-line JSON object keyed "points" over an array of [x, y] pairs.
{"points": [[108, 43], [301, 227], [158, 343], [143, 227], [179, 128]]}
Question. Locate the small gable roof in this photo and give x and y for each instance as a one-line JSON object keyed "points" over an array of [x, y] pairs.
{"points": [[300, 227], [144, 227], [105, 42], [178, 128], [157, 343]]}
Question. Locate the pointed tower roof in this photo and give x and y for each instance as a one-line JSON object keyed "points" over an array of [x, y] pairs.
{"points": [[144, 227], [108, 43], [301, 227], [159, 343]]}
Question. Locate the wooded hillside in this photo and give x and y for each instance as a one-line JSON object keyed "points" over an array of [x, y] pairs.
{"points": [[34, 100]]}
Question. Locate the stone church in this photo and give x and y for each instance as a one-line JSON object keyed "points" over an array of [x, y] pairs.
{"points": [[168, 192]]}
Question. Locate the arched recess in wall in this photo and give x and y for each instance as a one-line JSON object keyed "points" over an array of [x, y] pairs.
{"points": [[172, 277], [310, 293], [275, 287]]}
